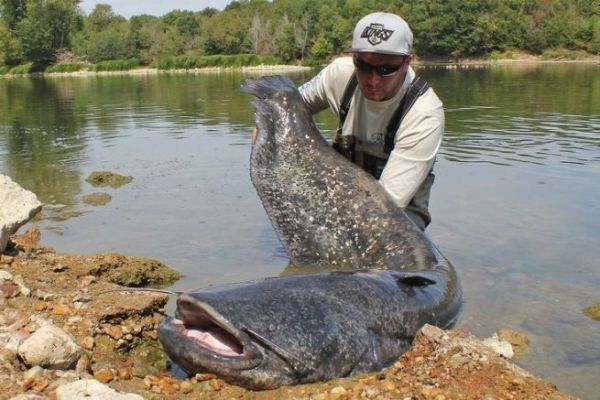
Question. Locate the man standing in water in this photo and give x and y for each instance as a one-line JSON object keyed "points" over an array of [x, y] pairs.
{"points": [[392, 126]]}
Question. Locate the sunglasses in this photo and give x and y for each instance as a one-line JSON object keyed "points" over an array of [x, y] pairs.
{"points": [[381, 70]]}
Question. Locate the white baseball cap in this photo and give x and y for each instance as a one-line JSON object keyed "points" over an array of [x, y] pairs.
{"points": [[383, 33]]}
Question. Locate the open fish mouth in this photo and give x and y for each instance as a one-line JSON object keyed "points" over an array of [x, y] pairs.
{"points": [[199, 323]]}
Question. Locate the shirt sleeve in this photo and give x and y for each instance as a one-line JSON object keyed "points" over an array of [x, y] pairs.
{"points": [[326, 88], [314, 94], [416, 144]]}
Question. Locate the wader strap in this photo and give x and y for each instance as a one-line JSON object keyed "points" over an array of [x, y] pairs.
{"points": [[345, 144], [345, 104], [418, 208], [417, 87]]}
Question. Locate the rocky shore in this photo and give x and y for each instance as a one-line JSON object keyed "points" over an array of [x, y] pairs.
{"points": [[70, 329]]}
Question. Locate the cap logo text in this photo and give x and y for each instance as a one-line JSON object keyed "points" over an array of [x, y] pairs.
{"points": [[376, 33]]}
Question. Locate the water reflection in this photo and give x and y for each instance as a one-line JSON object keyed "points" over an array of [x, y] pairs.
{"points": [[41, 141], [515, 203]]}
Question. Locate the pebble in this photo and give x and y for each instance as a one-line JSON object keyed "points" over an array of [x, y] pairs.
{"points": [[5, 276], [91, 389], [29, 396], [186, 387], [39, 385], [60, 309], [458, 360], [40, 306], [83, 364], [399, 365], [41, 295], [8, 350], [217, 384], [203, 376], [50, 347], [500, 346], [431, 393], [113, 331], [370, 392], [9, 290], [33, 373], [338, 390], [87, 343], [87, 281], [125, 373], [388, 386], [104, 375], [6, 259], [518, 381], [59, 268]]}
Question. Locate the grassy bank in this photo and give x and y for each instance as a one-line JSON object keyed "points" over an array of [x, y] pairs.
{"points": [[253, 61]]}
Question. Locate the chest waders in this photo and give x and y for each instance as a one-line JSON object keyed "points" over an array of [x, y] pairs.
{"points": [[418, 207]]}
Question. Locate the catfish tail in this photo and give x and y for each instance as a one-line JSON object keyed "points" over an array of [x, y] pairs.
{"points": [[268, 86]]}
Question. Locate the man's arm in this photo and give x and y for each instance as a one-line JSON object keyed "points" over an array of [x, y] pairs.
{"points": [[416, 146]]}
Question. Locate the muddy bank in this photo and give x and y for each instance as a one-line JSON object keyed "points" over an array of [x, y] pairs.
{"points": [[117, 345]]}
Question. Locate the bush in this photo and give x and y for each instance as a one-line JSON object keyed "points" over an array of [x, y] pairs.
{"points": [[116, 65], [26, 68], [564, 54], [66, 67], [212, 61], [4, 70], [501, 55]]}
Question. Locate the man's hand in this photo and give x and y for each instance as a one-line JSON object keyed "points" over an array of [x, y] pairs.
{"points": [[254, 132]]}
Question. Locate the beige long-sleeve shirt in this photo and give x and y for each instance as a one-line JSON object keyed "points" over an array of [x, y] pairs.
{"points": [[416, 142]]}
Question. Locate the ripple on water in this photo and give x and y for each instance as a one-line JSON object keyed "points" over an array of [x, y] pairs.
{"points": [[545, 138]]}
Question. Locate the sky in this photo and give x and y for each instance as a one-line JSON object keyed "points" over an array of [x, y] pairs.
{"points": [[128, 8]]}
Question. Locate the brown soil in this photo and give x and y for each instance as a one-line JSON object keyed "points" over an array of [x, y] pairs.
{"points": [[118, 331]]}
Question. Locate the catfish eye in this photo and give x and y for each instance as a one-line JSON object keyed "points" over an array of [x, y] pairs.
{"points": [[414, 281]]}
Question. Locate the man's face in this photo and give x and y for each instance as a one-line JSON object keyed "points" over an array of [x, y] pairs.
{"points": [[380, 76]]}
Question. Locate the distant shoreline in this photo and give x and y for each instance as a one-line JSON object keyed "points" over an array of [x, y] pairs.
{"points": [[420, 62], [155, 71]]}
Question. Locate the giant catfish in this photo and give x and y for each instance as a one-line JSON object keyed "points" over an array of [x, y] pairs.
{"points": [[388, 278]]}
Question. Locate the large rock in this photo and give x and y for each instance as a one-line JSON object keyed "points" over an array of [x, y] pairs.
{"points": [[91, 389], [50, 347], [17, 207]]}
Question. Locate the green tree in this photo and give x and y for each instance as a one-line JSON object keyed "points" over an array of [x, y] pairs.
{"points": [[105, 36], [12, 11], [10, 47], [322, 48], [226, 32], [46, 28]]}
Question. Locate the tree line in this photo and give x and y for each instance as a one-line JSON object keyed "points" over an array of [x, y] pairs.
{"points": [[295, 31]]}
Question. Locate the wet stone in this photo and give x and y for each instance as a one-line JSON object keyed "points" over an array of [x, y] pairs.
{"points": [[593, 312], [107, 178], [518, 340], [97, 199]]}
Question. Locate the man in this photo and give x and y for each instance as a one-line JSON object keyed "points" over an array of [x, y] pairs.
{"points": [[391, 122]]}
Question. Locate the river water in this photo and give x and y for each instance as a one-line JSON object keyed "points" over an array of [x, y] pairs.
{"points": [[516, 203]]}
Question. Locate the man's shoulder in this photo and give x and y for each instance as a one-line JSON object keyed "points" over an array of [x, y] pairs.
{"points": [[339, 71], [343, 62], [329, 83], [429, 102]]}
